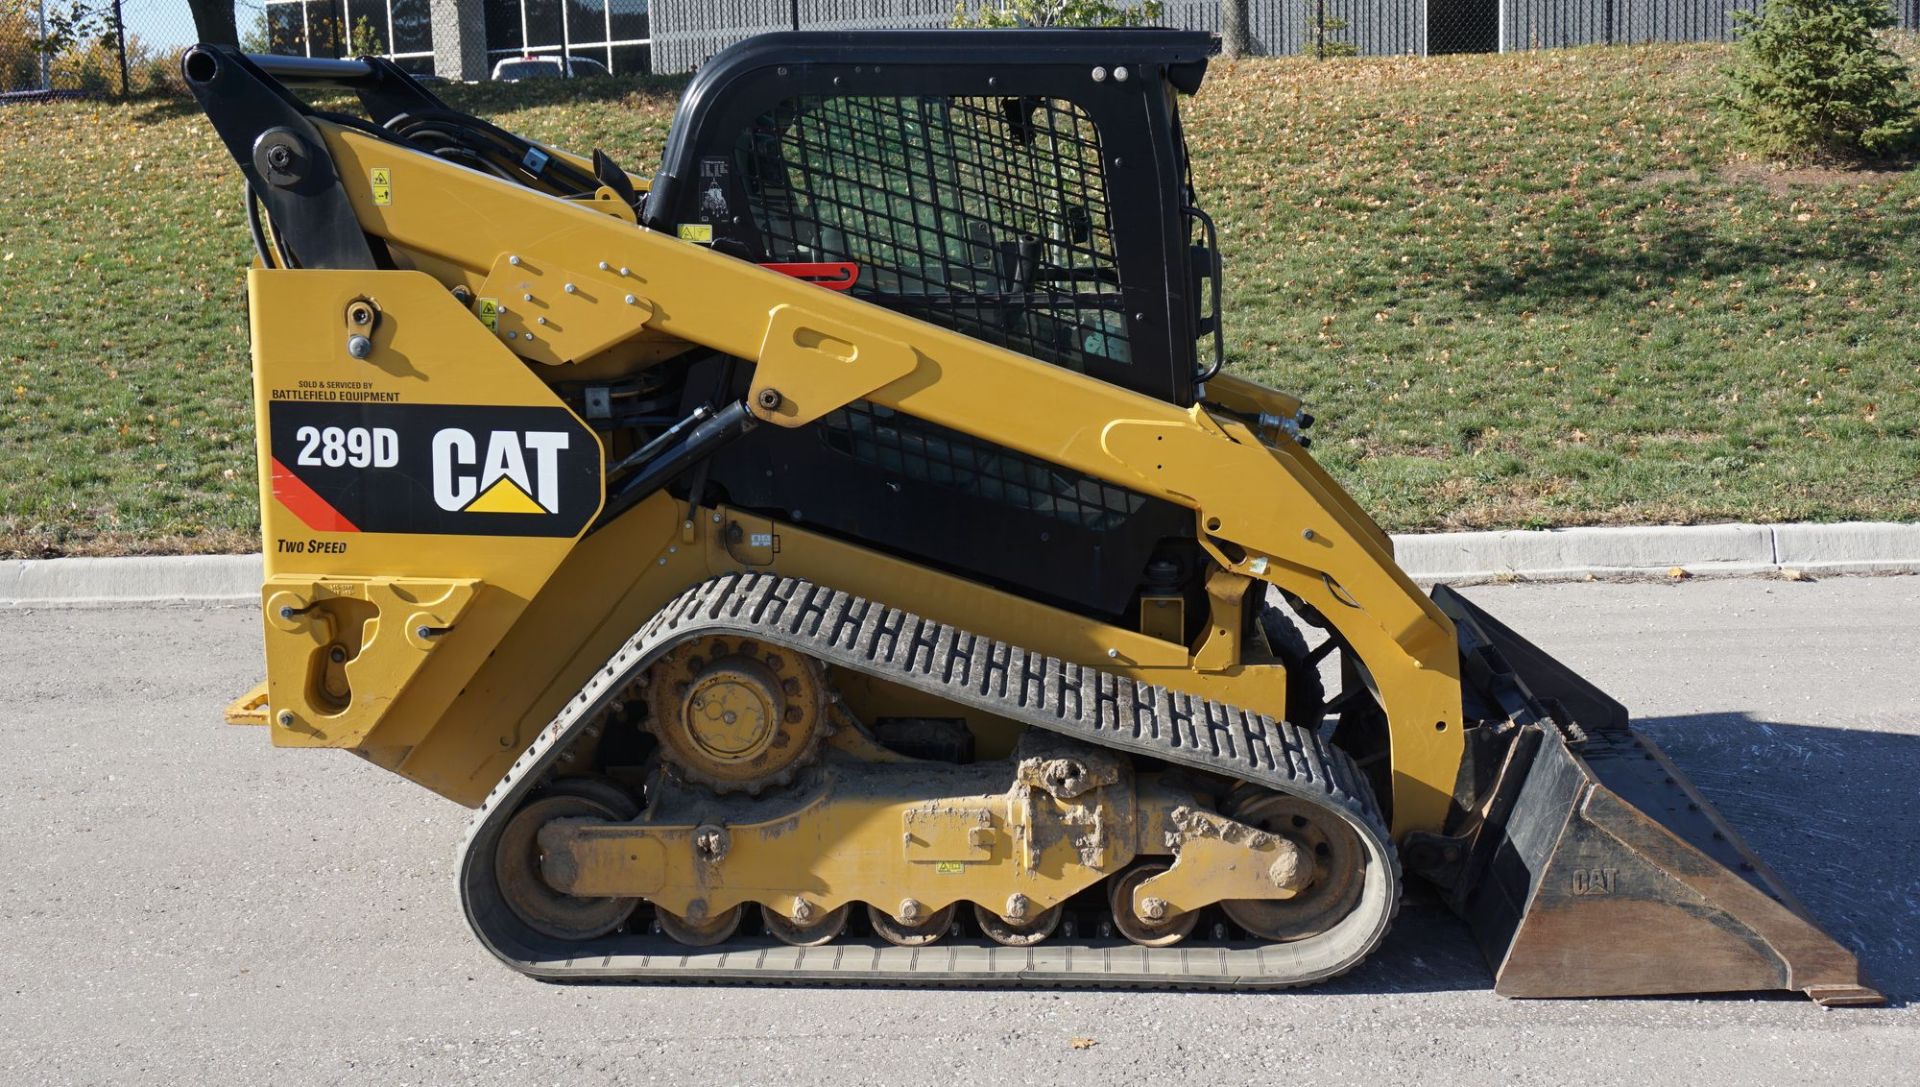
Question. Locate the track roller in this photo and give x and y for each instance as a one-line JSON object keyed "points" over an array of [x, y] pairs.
{"points": [[927, 927], [1017, 934], [1146, 931], [818, 928], [705, 933]]}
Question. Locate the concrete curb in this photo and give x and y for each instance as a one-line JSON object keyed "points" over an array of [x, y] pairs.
{"points": [[142, 579], [1454, 557], [1737, 550]]}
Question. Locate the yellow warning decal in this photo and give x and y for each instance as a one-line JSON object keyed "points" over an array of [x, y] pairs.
{"points": [[490, 313], [382, 186], [696, 232], [504, 497], [950, 868]]}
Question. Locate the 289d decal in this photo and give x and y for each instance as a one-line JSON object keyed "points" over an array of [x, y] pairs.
{"points": [[359, 447], [434, 468]]}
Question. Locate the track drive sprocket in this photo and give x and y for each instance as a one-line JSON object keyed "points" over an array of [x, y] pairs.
{"points": [[737, 715]]}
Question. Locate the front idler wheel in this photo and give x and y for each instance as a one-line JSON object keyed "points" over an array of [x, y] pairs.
{"points": [[1339, 867]]}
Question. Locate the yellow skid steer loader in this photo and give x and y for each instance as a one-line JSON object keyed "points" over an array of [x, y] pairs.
{"points": [[840, 557]]}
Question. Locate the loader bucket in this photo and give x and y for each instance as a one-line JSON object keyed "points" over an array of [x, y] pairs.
{"points": [[1593, 867]]}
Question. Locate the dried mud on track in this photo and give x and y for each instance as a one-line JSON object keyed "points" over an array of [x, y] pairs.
{"points": [[184, 903]]}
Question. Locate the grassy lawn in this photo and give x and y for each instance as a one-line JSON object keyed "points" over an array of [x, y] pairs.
{"points": [[1517, 291]]}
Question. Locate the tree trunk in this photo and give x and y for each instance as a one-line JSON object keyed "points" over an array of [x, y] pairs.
{"points": [[1236, 40], [213, 21]]}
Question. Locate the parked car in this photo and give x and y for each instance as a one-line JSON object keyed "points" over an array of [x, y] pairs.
{"points": [[514, 69]]}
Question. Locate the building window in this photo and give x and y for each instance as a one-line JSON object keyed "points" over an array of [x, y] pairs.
{"points": [[615, 35], [400, 30]]}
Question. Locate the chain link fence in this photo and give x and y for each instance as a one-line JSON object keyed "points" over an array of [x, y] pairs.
{"points": [[128, 47], [689, 31], [79, 47]]}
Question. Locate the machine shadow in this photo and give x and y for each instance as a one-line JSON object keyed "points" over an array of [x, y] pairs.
{"points": [[1831, 809], [1581, 275]]}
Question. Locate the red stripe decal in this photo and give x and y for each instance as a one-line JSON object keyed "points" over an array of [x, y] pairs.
{"points": [[292, 492]]}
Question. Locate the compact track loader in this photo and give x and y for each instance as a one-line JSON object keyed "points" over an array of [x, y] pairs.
{"points": [[840, 557]]}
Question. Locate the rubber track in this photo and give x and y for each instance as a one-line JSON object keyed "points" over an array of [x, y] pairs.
{"points": [[898, 647]]}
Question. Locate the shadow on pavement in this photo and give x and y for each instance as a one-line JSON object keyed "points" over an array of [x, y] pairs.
{"points": [[1834, 811], [1428, 950]]}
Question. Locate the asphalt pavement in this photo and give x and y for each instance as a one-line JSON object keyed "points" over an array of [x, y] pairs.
{"points": [[183, 903]]}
